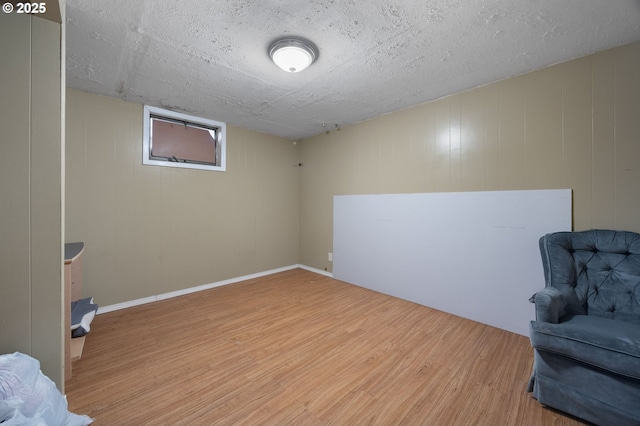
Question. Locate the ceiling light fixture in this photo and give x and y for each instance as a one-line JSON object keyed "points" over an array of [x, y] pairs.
{"points": [[293, 54]]}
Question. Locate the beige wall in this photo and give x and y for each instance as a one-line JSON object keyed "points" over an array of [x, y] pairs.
{"points": [[31, 190], [150, 230], [574, 125]]}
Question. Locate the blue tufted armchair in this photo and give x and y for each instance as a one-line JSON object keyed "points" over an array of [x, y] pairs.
{"points": [[586, 336]]}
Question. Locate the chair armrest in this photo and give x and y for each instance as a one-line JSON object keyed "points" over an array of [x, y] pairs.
{"points": [[550, 305]]}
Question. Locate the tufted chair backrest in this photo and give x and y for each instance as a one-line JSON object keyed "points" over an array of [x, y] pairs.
{"points": [[597, 271]]}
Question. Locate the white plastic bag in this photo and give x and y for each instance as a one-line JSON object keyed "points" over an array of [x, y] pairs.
{"points": [[28, 397]]}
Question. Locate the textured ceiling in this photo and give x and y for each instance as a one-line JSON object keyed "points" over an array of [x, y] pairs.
{"points": [[209, 57]]}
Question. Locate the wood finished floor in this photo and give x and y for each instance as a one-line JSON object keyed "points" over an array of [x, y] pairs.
{"points": [[301, 348]]}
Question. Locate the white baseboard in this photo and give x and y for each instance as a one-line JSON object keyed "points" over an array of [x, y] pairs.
{"points": [[150, 299], [317, 271], [124, 305]]}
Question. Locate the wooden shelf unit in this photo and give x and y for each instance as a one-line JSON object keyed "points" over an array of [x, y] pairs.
{"points": [[72, 292]]}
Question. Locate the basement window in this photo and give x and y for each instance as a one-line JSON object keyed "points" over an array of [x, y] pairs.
{"points": [[174, 139]]}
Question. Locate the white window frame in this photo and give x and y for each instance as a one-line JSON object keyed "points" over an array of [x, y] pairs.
{"points": [[221, 127]]}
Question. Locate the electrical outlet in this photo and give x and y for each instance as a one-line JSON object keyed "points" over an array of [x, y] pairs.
{"points": [[330, 257]]}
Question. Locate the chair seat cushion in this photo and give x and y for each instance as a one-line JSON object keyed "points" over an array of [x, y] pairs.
{"points": [[605, 343]]}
